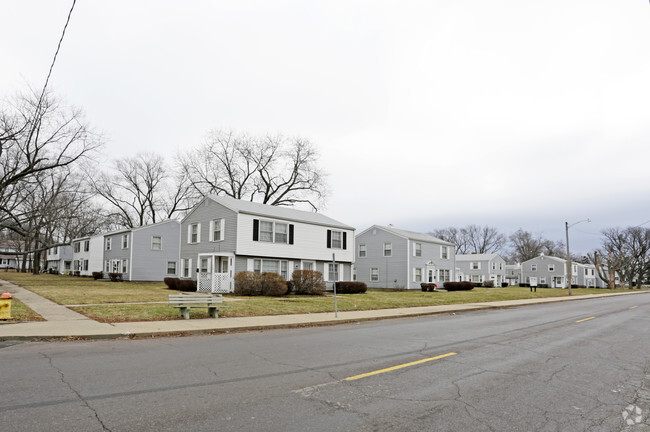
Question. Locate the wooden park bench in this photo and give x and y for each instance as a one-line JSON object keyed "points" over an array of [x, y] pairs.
{"points": [[185, 302]]}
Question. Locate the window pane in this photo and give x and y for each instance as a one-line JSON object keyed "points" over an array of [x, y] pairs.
{"points": [[270, 266], [266, 231], [336, 239], [280, 233]]}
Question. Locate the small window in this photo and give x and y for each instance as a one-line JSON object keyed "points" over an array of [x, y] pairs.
{"points": [[444, 252], [187, 265], [194, 233], [308, 265], [125, 241], [85, 265], [333, 272], [417, 275], [417, 249], [266, 231], [374, 274], [86, 245], [171, 267], [281, 233], [337, 242], [551, 268], [533, 267], [217, 229], [257, 266], [388, 249], [476, 265], [77, 247], [156, 243], [125, 267], [108, 243], [362, 251]]}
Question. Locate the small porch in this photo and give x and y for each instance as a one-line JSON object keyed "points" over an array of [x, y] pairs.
{"points": [[215, 273]]}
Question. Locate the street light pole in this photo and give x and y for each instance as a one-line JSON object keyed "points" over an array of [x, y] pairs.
{"points": [[569, 276]]}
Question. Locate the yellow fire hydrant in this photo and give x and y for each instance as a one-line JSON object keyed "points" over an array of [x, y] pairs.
{"points": [[5, 305]]}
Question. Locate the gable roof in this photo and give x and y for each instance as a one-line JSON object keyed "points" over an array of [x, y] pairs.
{"points": [[279, 212], [411, 235], [476, 257]]}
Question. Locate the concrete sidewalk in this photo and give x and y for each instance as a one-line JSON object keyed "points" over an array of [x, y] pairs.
{"points": [[63, 323]]}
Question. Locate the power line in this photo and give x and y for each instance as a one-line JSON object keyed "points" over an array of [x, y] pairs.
{"points": [[47, 80]]}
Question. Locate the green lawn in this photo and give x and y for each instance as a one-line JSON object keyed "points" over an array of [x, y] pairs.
{"points": [[112, 295]]}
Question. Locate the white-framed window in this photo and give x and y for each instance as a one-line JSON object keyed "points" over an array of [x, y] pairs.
{"points": [[417, 275], [77, 247], [333, 272], [417, 249], [542, 280], [494, 266], [551, 268], [217, 230], [107, 267], [108, 243], [476, 278], [475, 265], [280, 267], [171, 268], [204, 266], [533, 267], [125, 241], [156, 243], [194, 233], [85, 265], [374, 274], [281, 233], [388, 249], [125, 266], [266, 231], [86, 245], [363, 250], [444, 252], [187, 265], [444, 275], [575, 269], [337, 239], [308, 265], [500, 266]]}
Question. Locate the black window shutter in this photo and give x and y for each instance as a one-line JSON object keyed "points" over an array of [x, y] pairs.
{"points": [[256, 229], [329, 239], [290, 233], [345, 240]]}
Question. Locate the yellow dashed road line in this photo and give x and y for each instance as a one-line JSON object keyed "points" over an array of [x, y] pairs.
{"points": [[586, 319]]}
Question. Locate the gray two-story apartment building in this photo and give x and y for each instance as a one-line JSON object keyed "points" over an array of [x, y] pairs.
{"points": [[479, 268], [222, 236], [59, 259], [549, 271], [87, 254], [146, 253], [388, 257]]}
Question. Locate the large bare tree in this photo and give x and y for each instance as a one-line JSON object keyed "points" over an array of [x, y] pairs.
{"points": [[273, 170], [473, 239], [525, 245], [141, 190]]}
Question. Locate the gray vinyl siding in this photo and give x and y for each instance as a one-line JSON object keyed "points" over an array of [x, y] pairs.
{"points": [[393, 270], [431, 258], [117, 252], [542, 271], [206, 211], [151, 265]]}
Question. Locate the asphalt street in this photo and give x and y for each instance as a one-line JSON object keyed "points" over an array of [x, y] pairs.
{"points": [[573, 366]]}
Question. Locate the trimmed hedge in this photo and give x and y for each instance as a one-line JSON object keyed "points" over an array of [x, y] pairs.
{"points": [[488, 284], [115, 277], [172, 283], [98, 275], [308, 282], [248, 283], [273, 285], [459, 286], [351, 287], [428, 286], [187, 285]]}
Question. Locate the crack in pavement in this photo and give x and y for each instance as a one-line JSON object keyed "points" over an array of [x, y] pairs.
{"points": [[73, 390]]}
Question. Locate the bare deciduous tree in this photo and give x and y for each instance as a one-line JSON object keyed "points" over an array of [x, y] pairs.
{"points": [[141, 190], [473, 239], [271, 170], [524, 246]]}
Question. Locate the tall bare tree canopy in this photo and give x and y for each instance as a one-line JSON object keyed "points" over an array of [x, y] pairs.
{"points": [[473, 239], [626, 252], [39, 134], [272, 170], [525, 245], [141, 190]]}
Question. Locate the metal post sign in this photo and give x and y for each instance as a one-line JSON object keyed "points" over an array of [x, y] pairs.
{"points": [[334, 272]]}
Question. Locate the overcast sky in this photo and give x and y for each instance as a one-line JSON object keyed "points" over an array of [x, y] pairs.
{"points": [[427, 114]]}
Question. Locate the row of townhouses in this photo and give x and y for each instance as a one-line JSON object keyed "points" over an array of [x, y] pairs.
{"points": [[222, 236]]}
